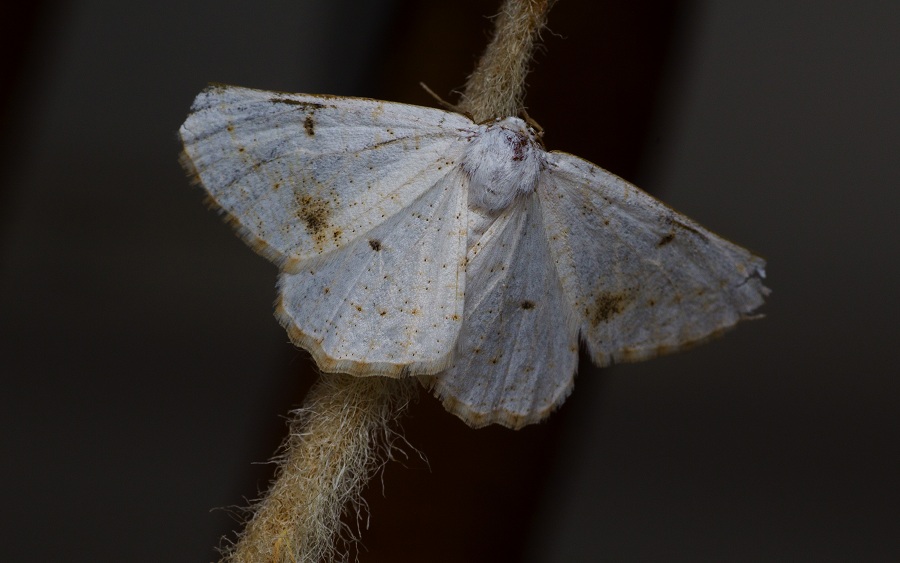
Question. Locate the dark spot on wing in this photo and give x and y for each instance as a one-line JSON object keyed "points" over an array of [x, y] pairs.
{"points": [[527, 305], [676, 223], [666, 239], [309, 125], [380, 144], [305, 105], [375, 244], [606, 306], [314, 213]]}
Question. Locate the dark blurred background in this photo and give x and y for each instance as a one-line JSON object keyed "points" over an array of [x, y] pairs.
{"points": [[144, 374]]}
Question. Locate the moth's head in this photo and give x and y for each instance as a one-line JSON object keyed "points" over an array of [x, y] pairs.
{"points": [[504, 159]]}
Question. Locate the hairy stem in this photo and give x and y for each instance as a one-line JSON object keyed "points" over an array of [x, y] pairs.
{"points": [[497, 86], [342, 435]]}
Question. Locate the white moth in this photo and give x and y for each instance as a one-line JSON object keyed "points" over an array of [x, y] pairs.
{"points": [[415, 242]]}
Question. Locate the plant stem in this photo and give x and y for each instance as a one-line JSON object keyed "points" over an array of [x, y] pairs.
{"points": [[497, 86], [341, 436]]}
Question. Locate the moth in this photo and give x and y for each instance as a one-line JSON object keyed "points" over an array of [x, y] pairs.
{"points": [[413, 241]]}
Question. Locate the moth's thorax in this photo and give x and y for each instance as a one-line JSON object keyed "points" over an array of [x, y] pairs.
{"points": [[503, 159]]}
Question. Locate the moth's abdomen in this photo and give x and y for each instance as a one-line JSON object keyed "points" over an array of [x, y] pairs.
{"points": [[503, 159]]}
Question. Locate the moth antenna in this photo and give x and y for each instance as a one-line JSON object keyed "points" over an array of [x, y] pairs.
{"points": [[534, 124], [440, 100]]}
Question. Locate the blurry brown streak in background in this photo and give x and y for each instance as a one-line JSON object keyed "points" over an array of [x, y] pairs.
{"points": [[24, 41]]}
